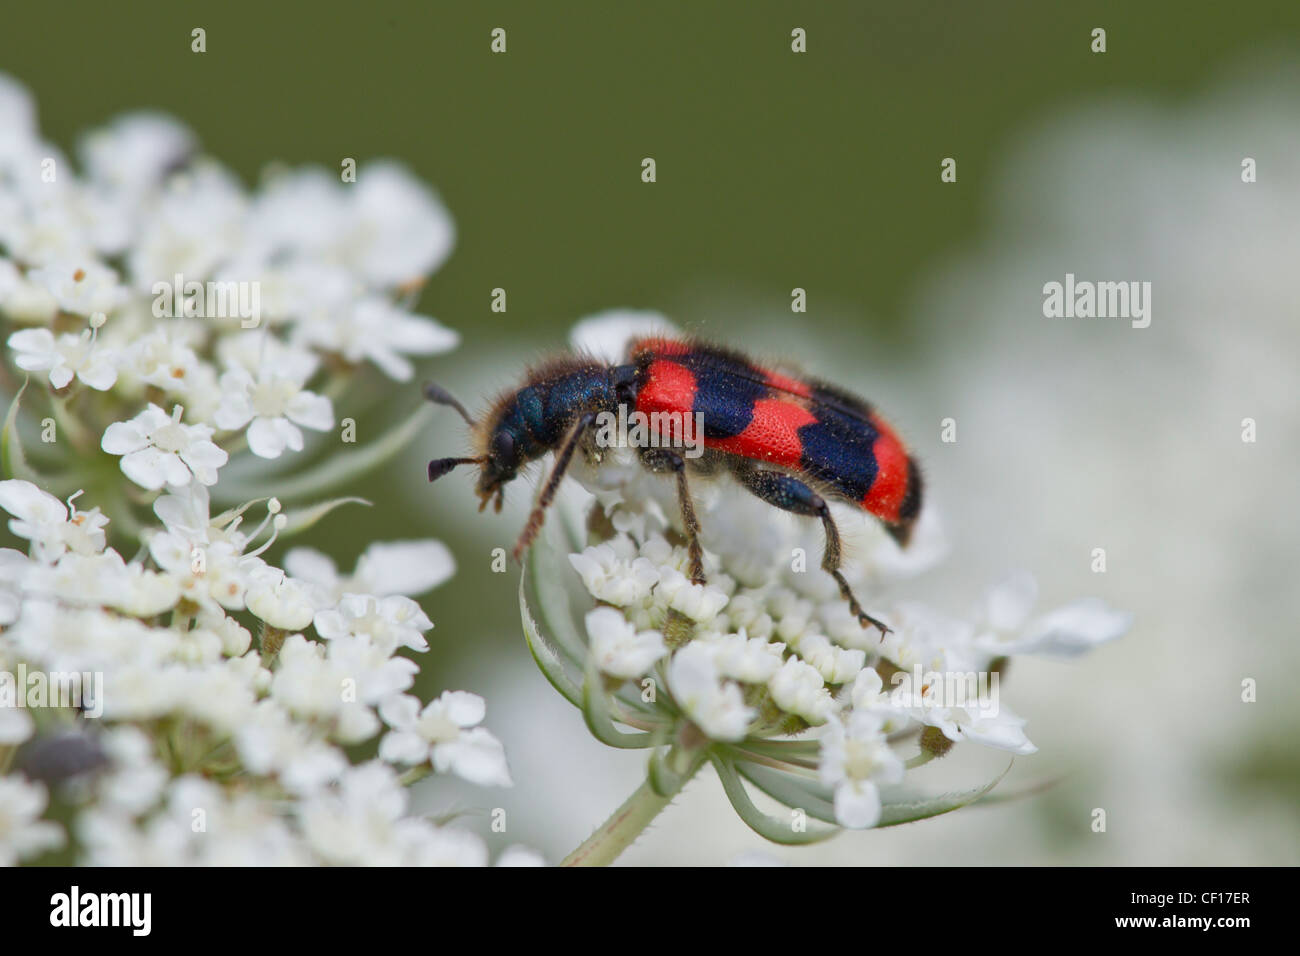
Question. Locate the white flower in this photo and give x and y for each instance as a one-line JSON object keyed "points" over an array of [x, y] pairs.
{"points": [[185, 512], [273, 404], [23, 834], [14, 568], [717, 707], [298, 216], [854, 759], [133, 589], [373, 673], [779, 634], [387, 230], [868, 695], [82, 287], [399, 231], [606, 335], [391, 622], [206, 557], [219, 693], [134, 780], [446, 733], [385, 568], [191, 225], [312, 686], [362, 820], [20, 298], [520, 856], [74, 579], [611, 579], [16, 725], [166, 361], [986, 722], [206, 572], [339, 682], [65, 357], [753, 660], [158, 450], [269, 742], [344, 825], [617, 647], [1064, 633], [45, 521], [745, 613], [234, 637], [799, 689], [427, 845], [134, 152], [699, 602], [837, 665], [278, 599], [195, 717], [375, 329], [240, 828], [931, 640]]}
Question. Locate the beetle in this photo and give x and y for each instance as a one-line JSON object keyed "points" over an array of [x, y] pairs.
{"points": [[792, 441]]}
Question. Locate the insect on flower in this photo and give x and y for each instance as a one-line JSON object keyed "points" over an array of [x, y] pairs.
{"points": [[791, 441]]}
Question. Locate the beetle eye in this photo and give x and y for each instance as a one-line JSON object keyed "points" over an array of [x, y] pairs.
{"points": [[503, 447]]}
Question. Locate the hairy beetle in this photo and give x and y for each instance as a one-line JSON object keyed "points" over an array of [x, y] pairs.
{"points": [[790, 440]]}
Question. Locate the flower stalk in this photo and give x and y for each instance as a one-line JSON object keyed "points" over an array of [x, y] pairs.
{"points": [[636, 813]]}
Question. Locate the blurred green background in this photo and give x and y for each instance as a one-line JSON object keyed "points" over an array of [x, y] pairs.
{"points": [[775, 170]]}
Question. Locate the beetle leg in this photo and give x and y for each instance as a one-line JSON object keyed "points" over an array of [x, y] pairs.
{"points": [[562, 461], [790, 494], [663, 459]]}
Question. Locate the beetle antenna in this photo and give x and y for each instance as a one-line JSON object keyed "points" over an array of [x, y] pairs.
{"points": [[440, 396], [440, 466]]}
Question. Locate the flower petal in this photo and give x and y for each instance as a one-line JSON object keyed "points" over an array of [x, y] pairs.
{"points": [[857, 806], [264, 439], [311, 411], [24, 500], [147, 467], [476, 756], [404, 567], [461, 707], [122, 438]]}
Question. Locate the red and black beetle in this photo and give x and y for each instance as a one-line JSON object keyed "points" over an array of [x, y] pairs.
{"points": [[791, 441]]}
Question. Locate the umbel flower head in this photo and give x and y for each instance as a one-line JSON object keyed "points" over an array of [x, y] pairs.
{"points": [[168, 693], [763, 671]]}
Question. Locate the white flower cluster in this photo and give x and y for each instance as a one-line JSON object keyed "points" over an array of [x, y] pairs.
{"points": [[222, 699], [768, 648], [197, 723], [155, 275]]}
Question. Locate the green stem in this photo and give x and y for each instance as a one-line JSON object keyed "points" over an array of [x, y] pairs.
{"points": [[920, 760], [272, 638], [629, 821], [414, 774]]}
